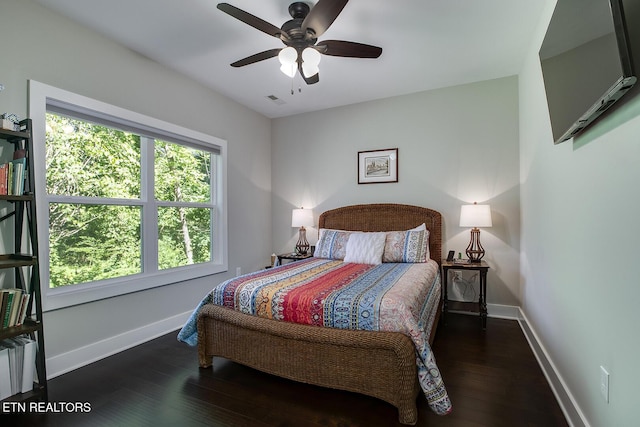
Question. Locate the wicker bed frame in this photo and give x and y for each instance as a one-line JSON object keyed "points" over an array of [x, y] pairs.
{"points": [[378, 364]]}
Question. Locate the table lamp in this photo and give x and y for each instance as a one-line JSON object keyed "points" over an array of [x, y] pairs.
{"points": [[475, 216], [300, 218]]}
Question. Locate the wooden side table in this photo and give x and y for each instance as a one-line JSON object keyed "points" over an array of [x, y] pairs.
{"points": [[479, 307], [293, 257]]}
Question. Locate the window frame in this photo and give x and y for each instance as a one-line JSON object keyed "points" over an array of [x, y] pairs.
{"points": [[44, 98]]}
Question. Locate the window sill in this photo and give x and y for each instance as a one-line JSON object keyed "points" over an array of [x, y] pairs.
{"points": [[67, 296]]}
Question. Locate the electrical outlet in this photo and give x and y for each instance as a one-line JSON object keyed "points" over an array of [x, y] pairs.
{"points": [[238, 271], [604, 384]]}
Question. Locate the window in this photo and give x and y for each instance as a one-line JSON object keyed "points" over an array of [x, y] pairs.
{"points": [[125, 202]]}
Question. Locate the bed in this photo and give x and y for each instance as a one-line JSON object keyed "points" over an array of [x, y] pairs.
{"points": [[385, 358]]}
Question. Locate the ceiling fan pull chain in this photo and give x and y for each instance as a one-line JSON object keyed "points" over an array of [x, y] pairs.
{"points": [[292, 88]]}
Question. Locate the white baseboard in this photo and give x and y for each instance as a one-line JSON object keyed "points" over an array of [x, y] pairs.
{"points": [[498, 311], [503, 311], [572, 412], [79, 357]]}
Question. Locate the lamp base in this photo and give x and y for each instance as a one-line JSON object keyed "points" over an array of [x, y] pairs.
{"points": [[302, 250], [475, 251], [302, 247]]}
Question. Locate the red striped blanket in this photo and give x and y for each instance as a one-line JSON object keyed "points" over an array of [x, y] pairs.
{"points": [[399, 297]]}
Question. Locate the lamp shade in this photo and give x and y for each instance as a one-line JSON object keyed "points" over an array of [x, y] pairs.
{"points": [[302, 217], [475, 216]]}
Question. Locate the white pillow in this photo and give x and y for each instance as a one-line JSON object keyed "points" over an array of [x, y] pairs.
{"points": [[421, 227], [365, 248]]}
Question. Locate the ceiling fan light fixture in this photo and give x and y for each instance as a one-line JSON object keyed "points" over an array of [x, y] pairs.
{"points": [[288, 58], [309, 70], [288, 55], [289, 69], [310, 60], [311, 56]]}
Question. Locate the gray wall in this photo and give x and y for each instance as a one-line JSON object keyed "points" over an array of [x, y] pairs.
{"points": [[456, 145], [563, 241], [579, 203], [44, 46]]}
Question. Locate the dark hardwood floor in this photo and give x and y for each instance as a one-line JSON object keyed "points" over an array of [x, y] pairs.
{"points": [[492, 377]]}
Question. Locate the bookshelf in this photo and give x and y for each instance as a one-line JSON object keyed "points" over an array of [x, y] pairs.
{"points": [[20, 219]]}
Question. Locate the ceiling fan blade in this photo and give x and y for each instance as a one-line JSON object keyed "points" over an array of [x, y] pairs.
{"points": [[252, 20], [348, 49], [322, 15], [256, 58], [308, 80]]}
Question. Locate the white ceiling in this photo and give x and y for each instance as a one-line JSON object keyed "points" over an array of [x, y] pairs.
{"points": [[426, 44]]}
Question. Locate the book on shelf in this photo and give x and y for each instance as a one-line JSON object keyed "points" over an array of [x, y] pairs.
{"points": [[5, 374], [13, 307], [12, 176], [19, 169], [5, 309], [22, 313], [21, 352], [4, 173], [16, 359], [28, 363]]}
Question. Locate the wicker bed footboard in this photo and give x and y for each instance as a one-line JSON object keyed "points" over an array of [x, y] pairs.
{"points": [[378, 364]]}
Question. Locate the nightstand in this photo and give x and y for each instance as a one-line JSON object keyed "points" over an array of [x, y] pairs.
{"points": [[293, 257], [480, 306]]}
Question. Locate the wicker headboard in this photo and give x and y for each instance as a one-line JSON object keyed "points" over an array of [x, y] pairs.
{"points": [[386, 217]]}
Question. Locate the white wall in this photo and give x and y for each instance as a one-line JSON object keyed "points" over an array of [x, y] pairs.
{"points": [[456, 145], [579, 203], [47, 47]]}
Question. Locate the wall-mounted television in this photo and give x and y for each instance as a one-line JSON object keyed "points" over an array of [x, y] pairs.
{"points": [[586, 62]]}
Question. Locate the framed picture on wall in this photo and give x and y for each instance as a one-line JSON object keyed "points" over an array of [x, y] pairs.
{"points": [[376, 166]]}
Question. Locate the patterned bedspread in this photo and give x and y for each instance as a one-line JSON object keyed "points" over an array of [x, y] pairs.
{"points": [[398, 297]]}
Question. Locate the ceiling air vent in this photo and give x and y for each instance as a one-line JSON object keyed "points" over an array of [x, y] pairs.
{"points": [[276, 100]]}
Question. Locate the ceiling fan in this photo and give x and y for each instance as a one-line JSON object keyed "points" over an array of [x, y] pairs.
{"points": [[300, 36]]}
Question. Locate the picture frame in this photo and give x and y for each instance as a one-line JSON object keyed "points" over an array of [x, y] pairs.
{"points": [[378, 166]]}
